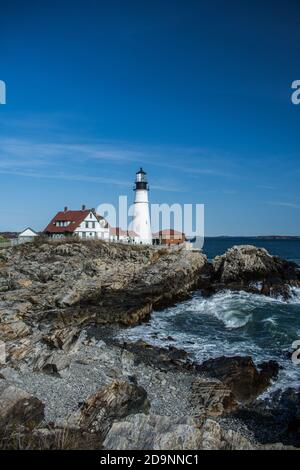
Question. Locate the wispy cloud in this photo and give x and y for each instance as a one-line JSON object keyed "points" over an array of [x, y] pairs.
{"points": [[29, 151], [267, 187], [43, 159], [67, 177], [84, 178], [283, 204]]}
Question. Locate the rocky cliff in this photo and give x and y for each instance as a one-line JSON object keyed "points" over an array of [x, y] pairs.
{"points": [[59, 378], [253, 269]]}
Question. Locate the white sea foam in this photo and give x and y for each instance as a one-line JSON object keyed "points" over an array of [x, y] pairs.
{"points": [[295, 295], [270, 320], [228, 323], [226, 307]]}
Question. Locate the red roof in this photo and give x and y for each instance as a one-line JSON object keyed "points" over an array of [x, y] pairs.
{"points": [[169, 233], [116, 231], [74, 217], [131, 233], [120, 232]]}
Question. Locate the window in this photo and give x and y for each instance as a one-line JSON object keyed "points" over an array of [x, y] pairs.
{"points": [[91, 215], [93, 224], [83, 234], [86, 225]]}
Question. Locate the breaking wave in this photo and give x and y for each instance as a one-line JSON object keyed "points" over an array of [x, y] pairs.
{"points": [[229, 323]]}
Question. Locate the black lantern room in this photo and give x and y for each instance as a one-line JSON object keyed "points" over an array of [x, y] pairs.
{"points": [[141, 180]]}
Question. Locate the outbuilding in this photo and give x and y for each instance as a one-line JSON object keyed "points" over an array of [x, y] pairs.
{"points": [[168, 237], [28, 235]]}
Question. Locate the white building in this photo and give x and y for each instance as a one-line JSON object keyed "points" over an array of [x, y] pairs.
{"points": [[141, 215], [28, 235], [84, 223]]}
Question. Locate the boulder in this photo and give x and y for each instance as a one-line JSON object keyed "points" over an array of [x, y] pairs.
{"points": [[52, 363], [154, 432], [63, 338], [162, 358], [12, 330], [253, 268], [214, 437], [240, 374], [212, 398], [19, 408], [274, 419], [112, 402]]}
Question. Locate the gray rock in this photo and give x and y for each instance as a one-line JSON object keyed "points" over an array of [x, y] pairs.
{"points": [[112, 402], [240, 375], [212, 398], [18, 407], [247, 266], [141, 432], [153, 432]]}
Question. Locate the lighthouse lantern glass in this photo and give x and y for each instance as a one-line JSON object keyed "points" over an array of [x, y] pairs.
{"points": [[141, 176]]}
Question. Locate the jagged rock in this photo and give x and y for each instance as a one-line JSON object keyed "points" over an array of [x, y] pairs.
{"points": [[153, 432], [14, 330], [216, 438], [241, 375], [52, 363], [24, 347], [114, 401], [158, 285], [212, 398], [51, 291], [163, 358], [274, 419], [83, 290], [18, 407], [249, 267], [63, 338], [114, 283]]}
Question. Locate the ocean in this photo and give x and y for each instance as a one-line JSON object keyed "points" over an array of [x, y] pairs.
{"points": [[233, 323]]}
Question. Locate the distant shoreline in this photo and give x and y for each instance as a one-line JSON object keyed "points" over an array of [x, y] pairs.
{"points": [[259, 237], [9, 235]]}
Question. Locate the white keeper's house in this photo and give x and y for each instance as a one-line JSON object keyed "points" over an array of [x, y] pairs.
{"points": [[84, 223]]}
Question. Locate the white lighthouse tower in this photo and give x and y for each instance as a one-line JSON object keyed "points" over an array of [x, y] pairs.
{"points": [[141, 217]]}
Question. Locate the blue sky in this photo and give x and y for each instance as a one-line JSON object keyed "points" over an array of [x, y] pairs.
{"points": [[196, 92]]}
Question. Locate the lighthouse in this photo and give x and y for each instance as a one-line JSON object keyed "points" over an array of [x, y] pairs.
{"points": [[141, 217]]}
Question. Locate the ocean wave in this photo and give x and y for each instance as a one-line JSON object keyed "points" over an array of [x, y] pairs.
{"points": [[295, 295], [228, 307], [235, 309], [229, 323]]}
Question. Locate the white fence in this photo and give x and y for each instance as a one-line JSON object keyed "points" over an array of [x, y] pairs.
{"points": [[16, 241]]}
